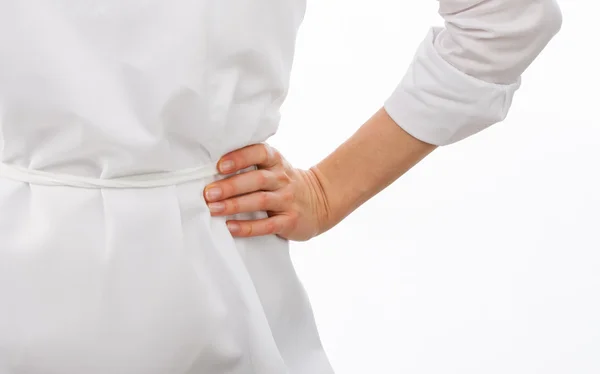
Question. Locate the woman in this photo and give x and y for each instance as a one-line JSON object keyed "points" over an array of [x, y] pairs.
{"points": [[113, 117]]}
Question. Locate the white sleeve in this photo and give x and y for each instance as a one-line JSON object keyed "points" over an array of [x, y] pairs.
{"points": [[463, 77]]}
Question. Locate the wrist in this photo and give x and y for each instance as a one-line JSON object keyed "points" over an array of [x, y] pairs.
{"points": [[325, 211], [371, 159]]}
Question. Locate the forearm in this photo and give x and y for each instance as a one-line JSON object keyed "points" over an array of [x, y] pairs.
{"points": [[370, 160], [461, 81]]}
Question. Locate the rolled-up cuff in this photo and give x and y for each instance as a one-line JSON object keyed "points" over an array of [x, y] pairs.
{"points": [[438, 104]]}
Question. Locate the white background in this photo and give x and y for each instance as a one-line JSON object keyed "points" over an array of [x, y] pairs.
{"points": [[485, 258]]}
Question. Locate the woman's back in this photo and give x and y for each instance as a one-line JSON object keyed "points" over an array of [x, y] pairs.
{"points": [[143, 85], [141, 280]]}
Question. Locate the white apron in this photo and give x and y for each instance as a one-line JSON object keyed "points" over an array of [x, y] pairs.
{"points": [[112, 116]]}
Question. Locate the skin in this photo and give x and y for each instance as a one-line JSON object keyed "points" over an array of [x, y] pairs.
{"points": [[302, 204]]}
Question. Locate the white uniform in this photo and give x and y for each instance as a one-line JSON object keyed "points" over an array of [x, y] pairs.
{"points": [[112, 116]]}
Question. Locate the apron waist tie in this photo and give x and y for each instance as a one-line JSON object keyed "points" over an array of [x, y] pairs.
{"points": [[150, 180]]}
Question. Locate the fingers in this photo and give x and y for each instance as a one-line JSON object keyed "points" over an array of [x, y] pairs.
{"points": [[258, 201], [266, 226], [268, 189], [255, 180], [261, 154]]}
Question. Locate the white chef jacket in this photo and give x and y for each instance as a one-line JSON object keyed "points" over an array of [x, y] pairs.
{"points": [[112, 116]]}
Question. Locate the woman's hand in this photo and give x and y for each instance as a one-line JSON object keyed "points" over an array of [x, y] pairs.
{"points": [[292, 198]]}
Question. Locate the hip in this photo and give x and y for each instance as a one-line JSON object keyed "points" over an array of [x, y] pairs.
{"points": [[136, 280]]}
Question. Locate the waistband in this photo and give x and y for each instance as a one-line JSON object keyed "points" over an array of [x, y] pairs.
{"points": [[150, 180]]}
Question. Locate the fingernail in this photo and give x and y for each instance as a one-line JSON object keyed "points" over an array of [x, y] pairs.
{"points": [[227, 166], [216, 207], [233, 227], [213, 193]]}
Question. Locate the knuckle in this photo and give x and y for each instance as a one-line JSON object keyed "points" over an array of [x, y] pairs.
{"points": [[271, 227], [262, 177], [272, 155], [232, 206], [276, 156], [272, 182], [283, 178], [294, 216], [264, 199], [293, 219], [265, 152]]}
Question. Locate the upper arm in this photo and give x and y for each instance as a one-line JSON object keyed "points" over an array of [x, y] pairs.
{"points": [[463, 77], [496, 40]]}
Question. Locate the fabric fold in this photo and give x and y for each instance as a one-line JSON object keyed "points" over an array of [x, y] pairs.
{"points": [[440, 105]]}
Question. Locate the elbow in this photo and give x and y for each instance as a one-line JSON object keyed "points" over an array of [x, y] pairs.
{"points": [[540, 24], [550, 21], [530, 25], [497, 40]]}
